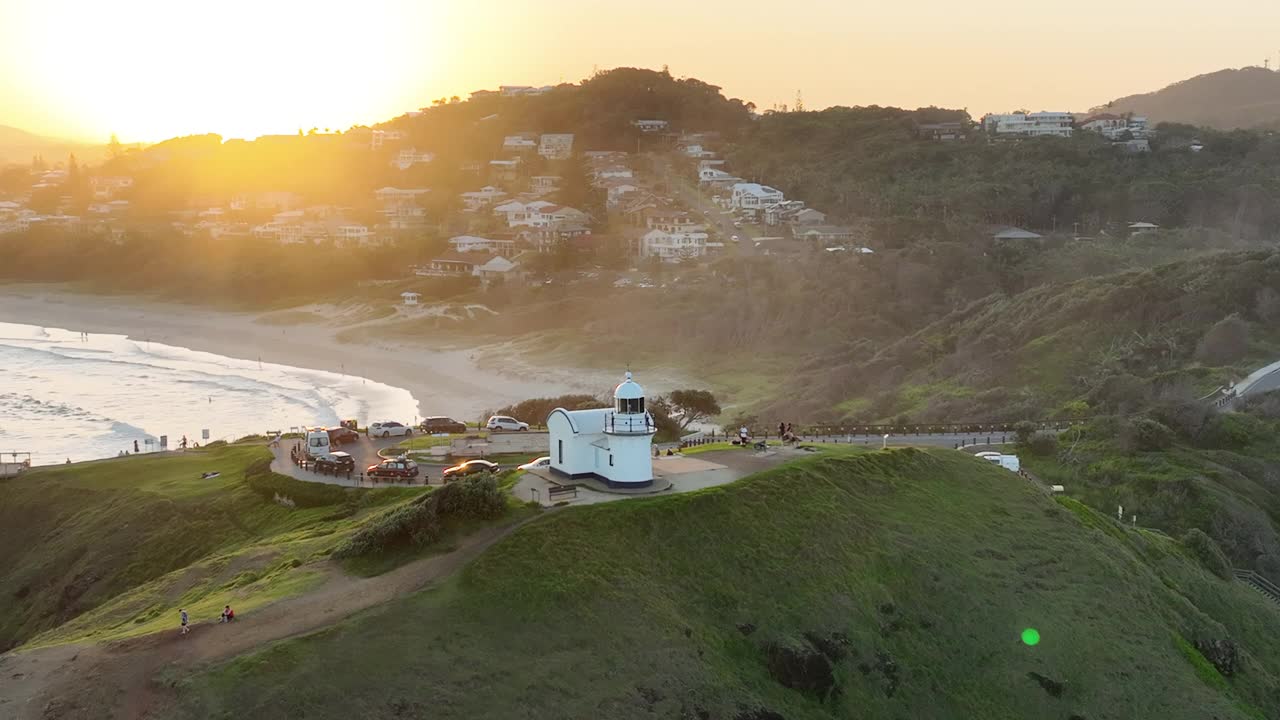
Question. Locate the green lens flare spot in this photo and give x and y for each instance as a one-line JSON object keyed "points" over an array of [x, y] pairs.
{"points": [[1031, 636]]}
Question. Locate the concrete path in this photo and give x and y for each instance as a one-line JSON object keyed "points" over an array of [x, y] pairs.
{"points": [[1260, 381]]}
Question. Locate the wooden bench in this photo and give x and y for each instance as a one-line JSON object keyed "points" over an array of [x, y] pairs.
{"points": [[558, 491]]}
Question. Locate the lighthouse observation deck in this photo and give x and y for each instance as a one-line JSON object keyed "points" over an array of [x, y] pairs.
{"points": [[616, 423]]}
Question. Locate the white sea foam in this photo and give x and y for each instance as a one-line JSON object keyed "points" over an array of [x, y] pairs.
{"points": [[62, 396]]}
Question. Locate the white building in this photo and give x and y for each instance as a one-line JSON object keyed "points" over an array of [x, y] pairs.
{"points": [[471, 243], [613, 444], [556, 146], [409, 157], [519, 143], [1038, 124], [485, 196], [754, 196], [410, 298], [649, 126], [673, 246], [712, 176]]}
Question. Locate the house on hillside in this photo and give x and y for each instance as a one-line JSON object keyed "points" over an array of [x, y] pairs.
{"points": [[471, 243], [544, 183], [617, 193], [754, 196], [497, 268], [669, 220], [942, 132], [823, 234], [556, 146], [519, 143], [650, 126], [481, 198], [504, 170], [716, 177], [409, 298], [1014, 233], [1037, 124], [409, 157], [453, 263], [1143, 228], [613, 444], [673, 246]]}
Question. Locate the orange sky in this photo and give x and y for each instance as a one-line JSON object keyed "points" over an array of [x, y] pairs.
{"points": [[152, 69]]}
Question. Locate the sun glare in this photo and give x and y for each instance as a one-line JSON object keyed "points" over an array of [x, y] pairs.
{"points": [[151, 69]]}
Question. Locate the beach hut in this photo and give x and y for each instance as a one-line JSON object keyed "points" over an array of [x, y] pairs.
{"points": [[409, 298]]}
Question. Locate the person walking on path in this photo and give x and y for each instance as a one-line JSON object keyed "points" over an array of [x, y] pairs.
{"points": [[183, 444], [135, 446], [182, 615]]}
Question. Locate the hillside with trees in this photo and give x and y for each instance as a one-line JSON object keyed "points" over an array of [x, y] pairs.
{"points": [[1224, 100], [870, 162]]}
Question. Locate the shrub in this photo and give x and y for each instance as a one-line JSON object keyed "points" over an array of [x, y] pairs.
{"points": [[1207, 552], [1151, 434], [422, 521], [1226, 342], [1043, 444], [1025, 430], [1234, 431], [1120, 393]]}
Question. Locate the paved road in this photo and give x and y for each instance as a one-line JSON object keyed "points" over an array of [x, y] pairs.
{"points": [[686, 192], [1261, 381], [364, 451]]}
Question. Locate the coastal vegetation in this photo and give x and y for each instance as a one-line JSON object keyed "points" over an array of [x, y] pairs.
{"points": [[912, 580], [112, 548]]}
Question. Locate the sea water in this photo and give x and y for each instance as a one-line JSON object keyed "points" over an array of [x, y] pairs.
{"points": [[67, 395]]}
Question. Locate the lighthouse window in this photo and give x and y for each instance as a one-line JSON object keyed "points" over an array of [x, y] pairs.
{"points": [[632, 406]]}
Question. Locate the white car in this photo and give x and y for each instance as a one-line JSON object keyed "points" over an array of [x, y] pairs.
{"points": [[499, 423], [540, 463], [388, 429]]}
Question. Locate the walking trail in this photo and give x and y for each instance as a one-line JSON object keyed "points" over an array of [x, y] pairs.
{"points": [[118, 680]]}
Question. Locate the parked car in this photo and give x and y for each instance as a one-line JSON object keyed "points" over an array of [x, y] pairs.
{"points": [[498, 423], [342, 436], [470, 467], [397, 468], [442, 424], [336, 461], [388, 429], [537, 464]]}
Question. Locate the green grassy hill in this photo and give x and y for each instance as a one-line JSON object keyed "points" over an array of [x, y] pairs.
{"points": [[113, 547], [889, 585]]}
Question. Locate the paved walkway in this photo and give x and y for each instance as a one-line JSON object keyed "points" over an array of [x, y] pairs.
{"points": [[685, 474]]}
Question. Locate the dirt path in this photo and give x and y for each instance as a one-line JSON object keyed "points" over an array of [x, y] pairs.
{"points": [[117, 681]]}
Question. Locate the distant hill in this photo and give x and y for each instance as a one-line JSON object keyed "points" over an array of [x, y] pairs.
{"points": [[17, 145], [1227, 99]]}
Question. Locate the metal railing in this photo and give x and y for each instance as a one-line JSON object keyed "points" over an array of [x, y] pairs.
{"points": [[626, 424], [1259, 583]]}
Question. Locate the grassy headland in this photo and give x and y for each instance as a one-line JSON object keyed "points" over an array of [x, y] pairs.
{"points": [[888, 584]]}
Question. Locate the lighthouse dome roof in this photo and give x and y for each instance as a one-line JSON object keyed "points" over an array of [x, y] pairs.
{"points": [[628, 389]]}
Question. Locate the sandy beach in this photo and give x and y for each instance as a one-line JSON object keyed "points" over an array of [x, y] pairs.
{"points": [[447, 382]]}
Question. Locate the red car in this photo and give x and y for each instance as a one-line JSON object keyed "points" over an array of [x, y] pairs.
{"points": [[398, 468]]}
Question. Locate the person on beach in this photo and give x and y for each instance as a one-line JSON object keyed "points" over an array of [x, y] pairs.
{"points": [[182, 615]]}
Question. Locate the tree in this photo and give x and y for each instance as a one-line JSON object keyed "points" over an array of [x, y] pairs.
{"points": [[693, 406], [1226, 342]]}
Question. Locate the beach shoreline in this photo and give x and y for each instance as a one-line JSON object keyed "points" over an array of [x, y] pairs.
{"points": [[455, 381]]}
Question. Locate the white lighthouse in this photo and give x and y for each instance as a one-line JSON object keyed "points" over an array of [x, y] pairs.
{"points": [[613, 444]]}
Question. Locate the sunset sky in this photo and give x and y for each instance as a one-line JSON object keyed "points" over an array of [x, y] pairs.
{"points": [[152, 69]]}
